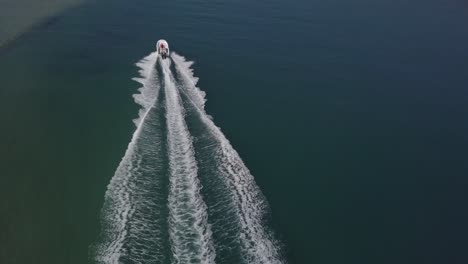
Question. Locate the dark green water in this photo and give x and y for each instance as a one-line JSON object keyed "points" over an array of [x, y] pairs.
{"points": [[350, 115]]}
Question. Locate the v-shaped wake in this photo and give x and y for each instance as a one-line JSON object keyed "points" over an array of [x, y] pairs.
{"points": [[155, 208]]}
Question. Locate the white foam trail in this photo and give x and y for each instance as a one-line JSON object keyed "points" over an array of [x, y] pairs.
{"points": [[258, 244], [183, 66], [117, 208], [190, 233], [150, 86]]}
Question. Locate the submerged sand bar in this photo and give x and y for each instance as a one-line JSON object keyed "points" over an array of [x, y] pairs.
{"points": [[19, 16]]}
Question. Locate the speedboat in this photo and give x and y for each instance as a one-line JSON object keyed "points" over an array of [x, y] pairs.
{"points": [[162, 48]]}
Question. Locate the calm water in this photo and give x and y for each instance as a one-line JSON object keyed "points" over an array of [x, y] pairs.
{"points": [[351, 115]]}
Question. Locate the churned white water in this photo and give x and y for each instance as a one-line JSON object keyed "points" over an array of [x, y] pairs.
{"points": [[146, 219]]}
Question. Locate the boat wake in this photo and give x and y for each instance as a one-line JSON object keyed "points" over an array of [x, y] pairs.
{"points": [[155, 209]]}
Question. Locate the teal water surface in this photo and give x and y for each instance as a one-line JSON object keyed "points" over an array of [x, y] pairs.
{"points": [[351, 116]]}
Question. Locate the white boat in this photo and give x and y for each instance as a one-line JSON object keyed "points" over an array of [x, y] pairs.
{"points": [[162, 47]]}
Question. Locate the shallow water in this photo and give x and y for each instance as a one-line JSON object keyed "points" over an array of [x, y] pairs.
{"points": [[20, 16]]}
